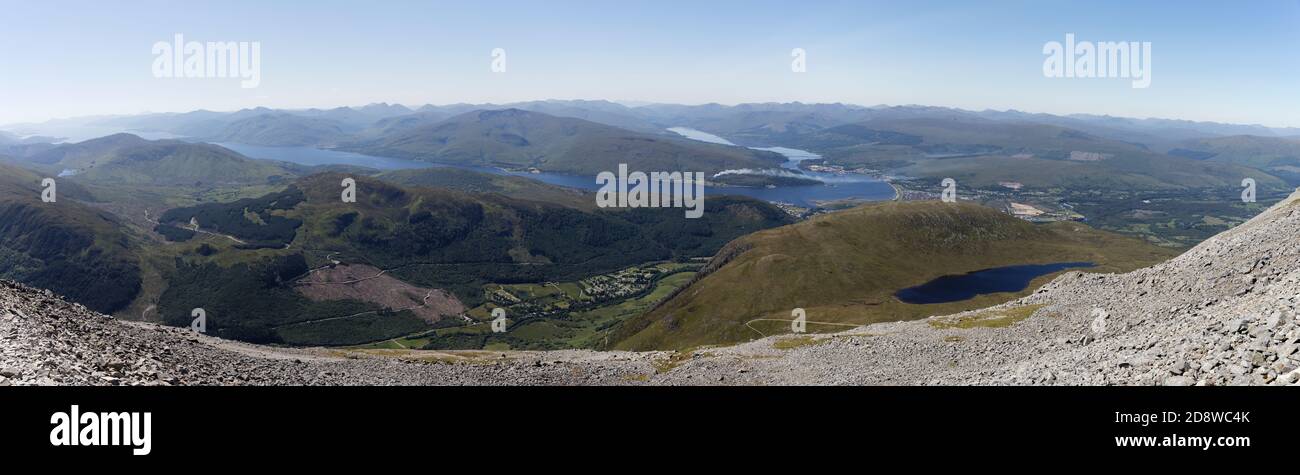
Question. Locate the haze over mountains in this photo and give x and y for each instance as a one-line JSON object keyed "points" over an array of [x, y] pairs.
{"points": [[584, 137], [522, 139], [183, 223], [729, 121]]}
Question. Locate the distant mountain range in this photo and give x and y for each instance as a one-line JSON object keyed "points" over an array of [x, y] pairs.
{"points": [[582, 137], [515, 138], [735, 121], [154, 228], [280, 129]]}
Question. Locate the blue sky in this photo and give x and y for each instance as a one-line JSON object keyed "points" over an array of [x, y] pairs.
{"points": [[1210, 60]]}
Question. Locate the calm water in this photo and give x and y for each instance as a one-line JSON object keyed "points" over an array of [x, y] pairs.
{"points": [[311, 156], [953, 288], [837, 186]]}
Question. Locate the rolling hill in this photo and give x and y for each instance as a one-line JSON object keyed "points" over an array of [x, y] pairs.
{"points": [[282, 129], [845, 267], [514, 138], [130, 160], [471, 181], [601, 112], [981, 153], [1275, 155]]}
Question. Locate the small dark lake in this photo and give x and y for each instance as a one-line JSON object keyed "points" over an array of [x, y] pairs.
{"points": [[953, 288]]}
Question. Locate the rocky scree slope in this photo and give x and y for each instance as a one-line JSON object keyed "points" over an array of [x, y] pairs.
{"points": [[45, 340]]}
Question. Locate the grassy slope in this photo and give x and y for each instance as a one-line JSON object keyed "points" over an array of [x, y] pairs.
{"points": [[845, 267]]}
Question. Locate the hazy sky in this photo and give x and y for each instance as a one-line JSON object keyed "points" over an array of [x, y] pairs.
{"points": [[1223, 61]]}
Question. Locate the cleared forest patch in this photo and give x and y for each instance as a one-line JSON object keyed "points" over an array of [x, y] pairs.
{"points": [[369, 284]]}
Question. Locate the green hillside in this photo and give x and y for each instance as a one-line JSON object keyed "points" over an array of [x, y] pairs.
{"points": [[67, 247], [125, 159], [88, 153], [241, 270], [845, 267]]}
